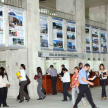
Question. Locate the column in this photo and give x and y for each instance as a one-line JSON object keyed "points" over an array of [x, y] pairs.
{"points": [[67, 6], [80, 27], [33, 30]]}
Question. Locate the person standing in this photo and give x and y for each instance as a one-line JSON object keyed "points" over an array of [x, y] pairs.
{"points": [[53, 73], [39, 80], [23, 82], [103, 74], [74, 85], [2, 85], [83, 87], [80, 65], [66, 81], [6, 81]]}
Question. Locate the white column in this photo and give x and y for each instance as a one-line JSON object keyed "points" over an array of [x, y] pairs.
{"points": [[67, 6], [33, 28], [50, 31], [64, 35]]}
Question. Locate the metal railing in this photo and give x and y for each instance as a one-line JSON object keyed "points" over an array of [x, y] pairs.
{"points": [[55, 13], [59, 14], [15, 3]]}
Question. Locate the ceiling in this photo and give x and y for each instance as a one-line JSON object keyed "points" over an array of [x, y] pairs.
{"points": [[88, 3]]}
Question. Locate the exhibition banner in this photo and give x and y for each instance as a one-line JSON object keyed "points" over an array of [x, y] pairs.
{"points": [[71, 36], [57, 34], [88, 44], [16, 26], [2, 37], [103, 34], [44, 31], [95, 39]]}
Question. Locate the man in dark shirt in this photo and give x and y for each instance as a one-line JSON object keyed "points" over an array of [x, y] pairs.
{"points": [[61, 74]]}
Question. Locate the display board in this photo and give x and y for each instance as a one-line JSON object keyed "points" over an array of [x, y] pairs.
{"points": [[16, 26], [2, 37], [88, 44], [44, 31], [57, 34], [71, 36], [103, 34], [95, 39]]}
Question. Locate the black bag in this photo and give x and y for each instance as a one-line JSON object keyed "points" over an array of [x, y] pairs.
{"points": [[43, 91]]}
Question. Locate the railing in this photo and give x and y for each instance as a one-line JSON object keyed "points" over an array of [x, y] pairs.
{"points": [[58, 14], [15, 3], [55, 13]]}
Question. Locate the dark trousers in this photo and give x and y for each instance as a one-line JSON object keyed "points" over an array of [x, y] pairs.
{"points": [[65, 90], [84, 89], [103, 84], [26, 90], [5, 95], [2, 100], [54, 80], [22, 92]]}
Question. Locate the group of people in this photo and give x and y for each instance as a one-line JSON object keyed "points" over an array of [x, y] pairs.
{"points": [[79, 83]]}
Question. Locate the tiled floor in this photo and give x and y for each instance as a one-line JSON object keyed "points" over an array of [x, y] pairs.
{"points": [[55, 101]]}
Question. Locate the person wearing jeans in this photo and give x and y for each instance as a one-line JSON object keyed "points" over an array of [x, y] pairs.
{"points": [[83, 87], [103, 80], [74, 85], [66, 81]]}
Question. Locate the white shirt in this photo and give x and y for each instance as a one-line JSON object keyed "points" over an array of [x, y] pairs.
{"points": [[23, 74], [5, 80], [66, 77], [102, 74], [1, 82]]}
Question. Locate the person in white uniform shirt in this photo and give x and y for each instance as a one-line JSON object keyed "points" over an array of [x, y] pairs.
{"points": [[23, 82], [2, 84], [66, 82], [5, 80], [103, 74]]}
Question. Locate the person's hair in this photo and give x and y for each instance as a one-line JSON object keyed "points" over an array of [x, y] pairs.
{"points": [[86, 65], [101, 65], [77, 68], [2, 72], [23, 66], [64, 69], [63, 66], [51, 66], [80, 64], [39, 70]]}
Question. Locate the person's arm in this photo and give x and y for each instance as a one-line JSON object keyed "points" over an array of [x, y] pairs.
{"points": [[83, 79], [48, 71]]}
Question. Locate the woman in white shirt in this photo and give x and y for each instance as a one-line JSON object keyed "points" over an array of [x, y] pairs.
{"points": [[5, 80], [66, 82], [2, 84], [103, 73], [23, 82]]}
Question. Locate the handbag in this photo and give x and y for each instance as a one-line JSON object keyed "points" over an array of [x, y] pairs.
{"points": [[28, 80]]}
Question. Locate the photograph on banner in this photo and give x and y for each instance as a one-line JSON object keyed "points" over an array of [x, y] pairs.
{"points": [[44, 31], [95, 39], [103, 40], [88, 44], [2, 37], [71, 36], [57, 34], [16, 26]]}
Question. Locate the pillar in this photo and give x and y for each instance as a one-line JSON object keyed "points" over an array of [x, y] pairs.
{"points": [[33, 34]]}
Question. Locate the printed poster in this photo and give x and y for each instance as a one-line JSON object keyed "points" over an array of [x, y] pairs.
{"points": [[71, 36], [95, 39], [103, 40], [87, 31], [16, 26], [2, 37], [44, 31], [57, 34]]}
